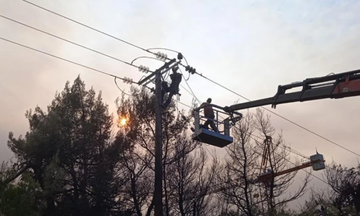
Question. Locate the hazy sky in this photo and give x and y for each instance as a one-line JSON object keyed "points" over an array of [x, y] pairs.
{"points": [[249, 46]]}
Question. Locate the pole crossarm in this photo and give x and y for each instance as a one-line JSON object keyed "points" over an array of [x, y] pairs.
{"points": [[152, 75]]}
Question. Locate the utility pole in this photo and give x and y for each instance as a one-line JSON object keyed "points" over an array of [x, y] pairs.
{"points": [[158, 131], [158, 146]]}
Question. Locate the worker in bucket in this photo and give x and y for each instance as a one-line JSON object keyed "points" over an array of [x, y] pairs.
{"points": [[209, 114]]}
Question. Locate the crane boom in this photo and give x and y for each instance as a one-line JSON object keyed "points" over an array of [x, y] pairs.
{"points": [[267, 176], [316, 161], [296, 168], [335, 86]]}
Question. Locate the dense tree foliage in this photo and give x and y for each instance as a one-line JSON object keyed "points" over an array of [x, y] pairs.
{"points": [[68, 153]]}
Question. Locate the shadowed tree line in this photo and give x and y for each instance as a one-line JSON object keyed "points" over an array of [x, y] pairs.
{"points": [[74, 161]]}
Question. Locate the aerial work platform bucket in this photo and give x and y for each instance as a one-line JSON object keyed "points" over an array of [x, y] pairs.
{"points": [[218, 139], [318, 162], [212, 138]]}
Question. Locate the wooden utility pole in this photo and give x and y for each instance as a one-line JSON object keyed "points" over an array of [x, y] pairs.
{"points": [[158, 146], [158, 132]]}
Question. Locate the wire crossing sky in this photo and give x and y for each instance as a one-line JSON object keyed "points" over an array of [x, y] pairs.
{"points": [[136, 46], [243, 46]]}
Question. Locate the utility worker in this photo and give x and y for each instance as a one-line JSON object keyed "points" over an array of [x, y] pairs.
{"points": [[209, 113], [173, 88]]}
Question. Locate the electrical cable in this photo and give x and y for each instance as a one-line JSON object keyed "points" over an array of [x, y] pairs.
{"points": [[188, 91], [167, 49], [67, 60], [71, 42], [291, 150], [123, 91], [186, 79], [148, 50], [294, 151], [193, 94], [296, 124], [148, 57], [87, 26], [131, 44], [116, 77], [284, 147], [183, 104], [102, 32]]}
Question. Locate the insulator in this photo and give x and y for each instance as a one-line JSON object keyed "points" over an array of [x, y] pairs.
{"points": [[161, 56], [143, 69], [128, 80], [147, 69]]}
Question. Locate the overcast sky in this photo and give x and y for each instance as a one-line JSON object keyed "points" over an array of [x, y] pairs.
{"points": [[250, 47]]}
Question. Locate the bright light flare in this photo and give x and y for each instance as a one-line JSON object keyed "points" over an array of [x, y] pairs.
{"points": [[122, 121]]}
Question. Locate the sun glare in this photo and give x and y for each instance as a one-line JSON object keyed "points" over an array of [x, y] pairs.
{"points": [[122, 121]]}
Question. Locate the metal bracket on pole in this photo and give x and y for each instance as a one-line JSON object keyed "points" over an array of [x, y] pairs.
{"points": [[166, 65]]}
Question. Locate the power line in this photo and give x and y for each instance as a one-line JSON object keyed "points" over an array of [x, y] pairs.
{"points": [[146, 50], [106, 34], [66, 40], [184, 104], [123, 91], [296, 124], [94, 29], [292, 150], [167, 49], [126, 62], [282, 146], [192, 92], [67, 60], [87, 26], [101, 53]]}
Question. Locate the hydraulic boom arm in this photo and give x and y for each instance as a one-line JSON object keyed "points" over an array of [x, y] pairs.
{"points": [[267, 176], [335, 86]]}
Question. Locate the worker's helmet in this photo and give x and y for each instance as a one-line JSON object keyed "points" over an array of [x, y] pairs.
{"points": [[209, 100]]}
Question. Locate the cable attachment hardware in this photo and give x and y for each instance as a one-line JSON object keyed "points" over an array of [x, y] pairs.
{"points": [[190, 69], [161, 56], [128, 80], [144, 69]]}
